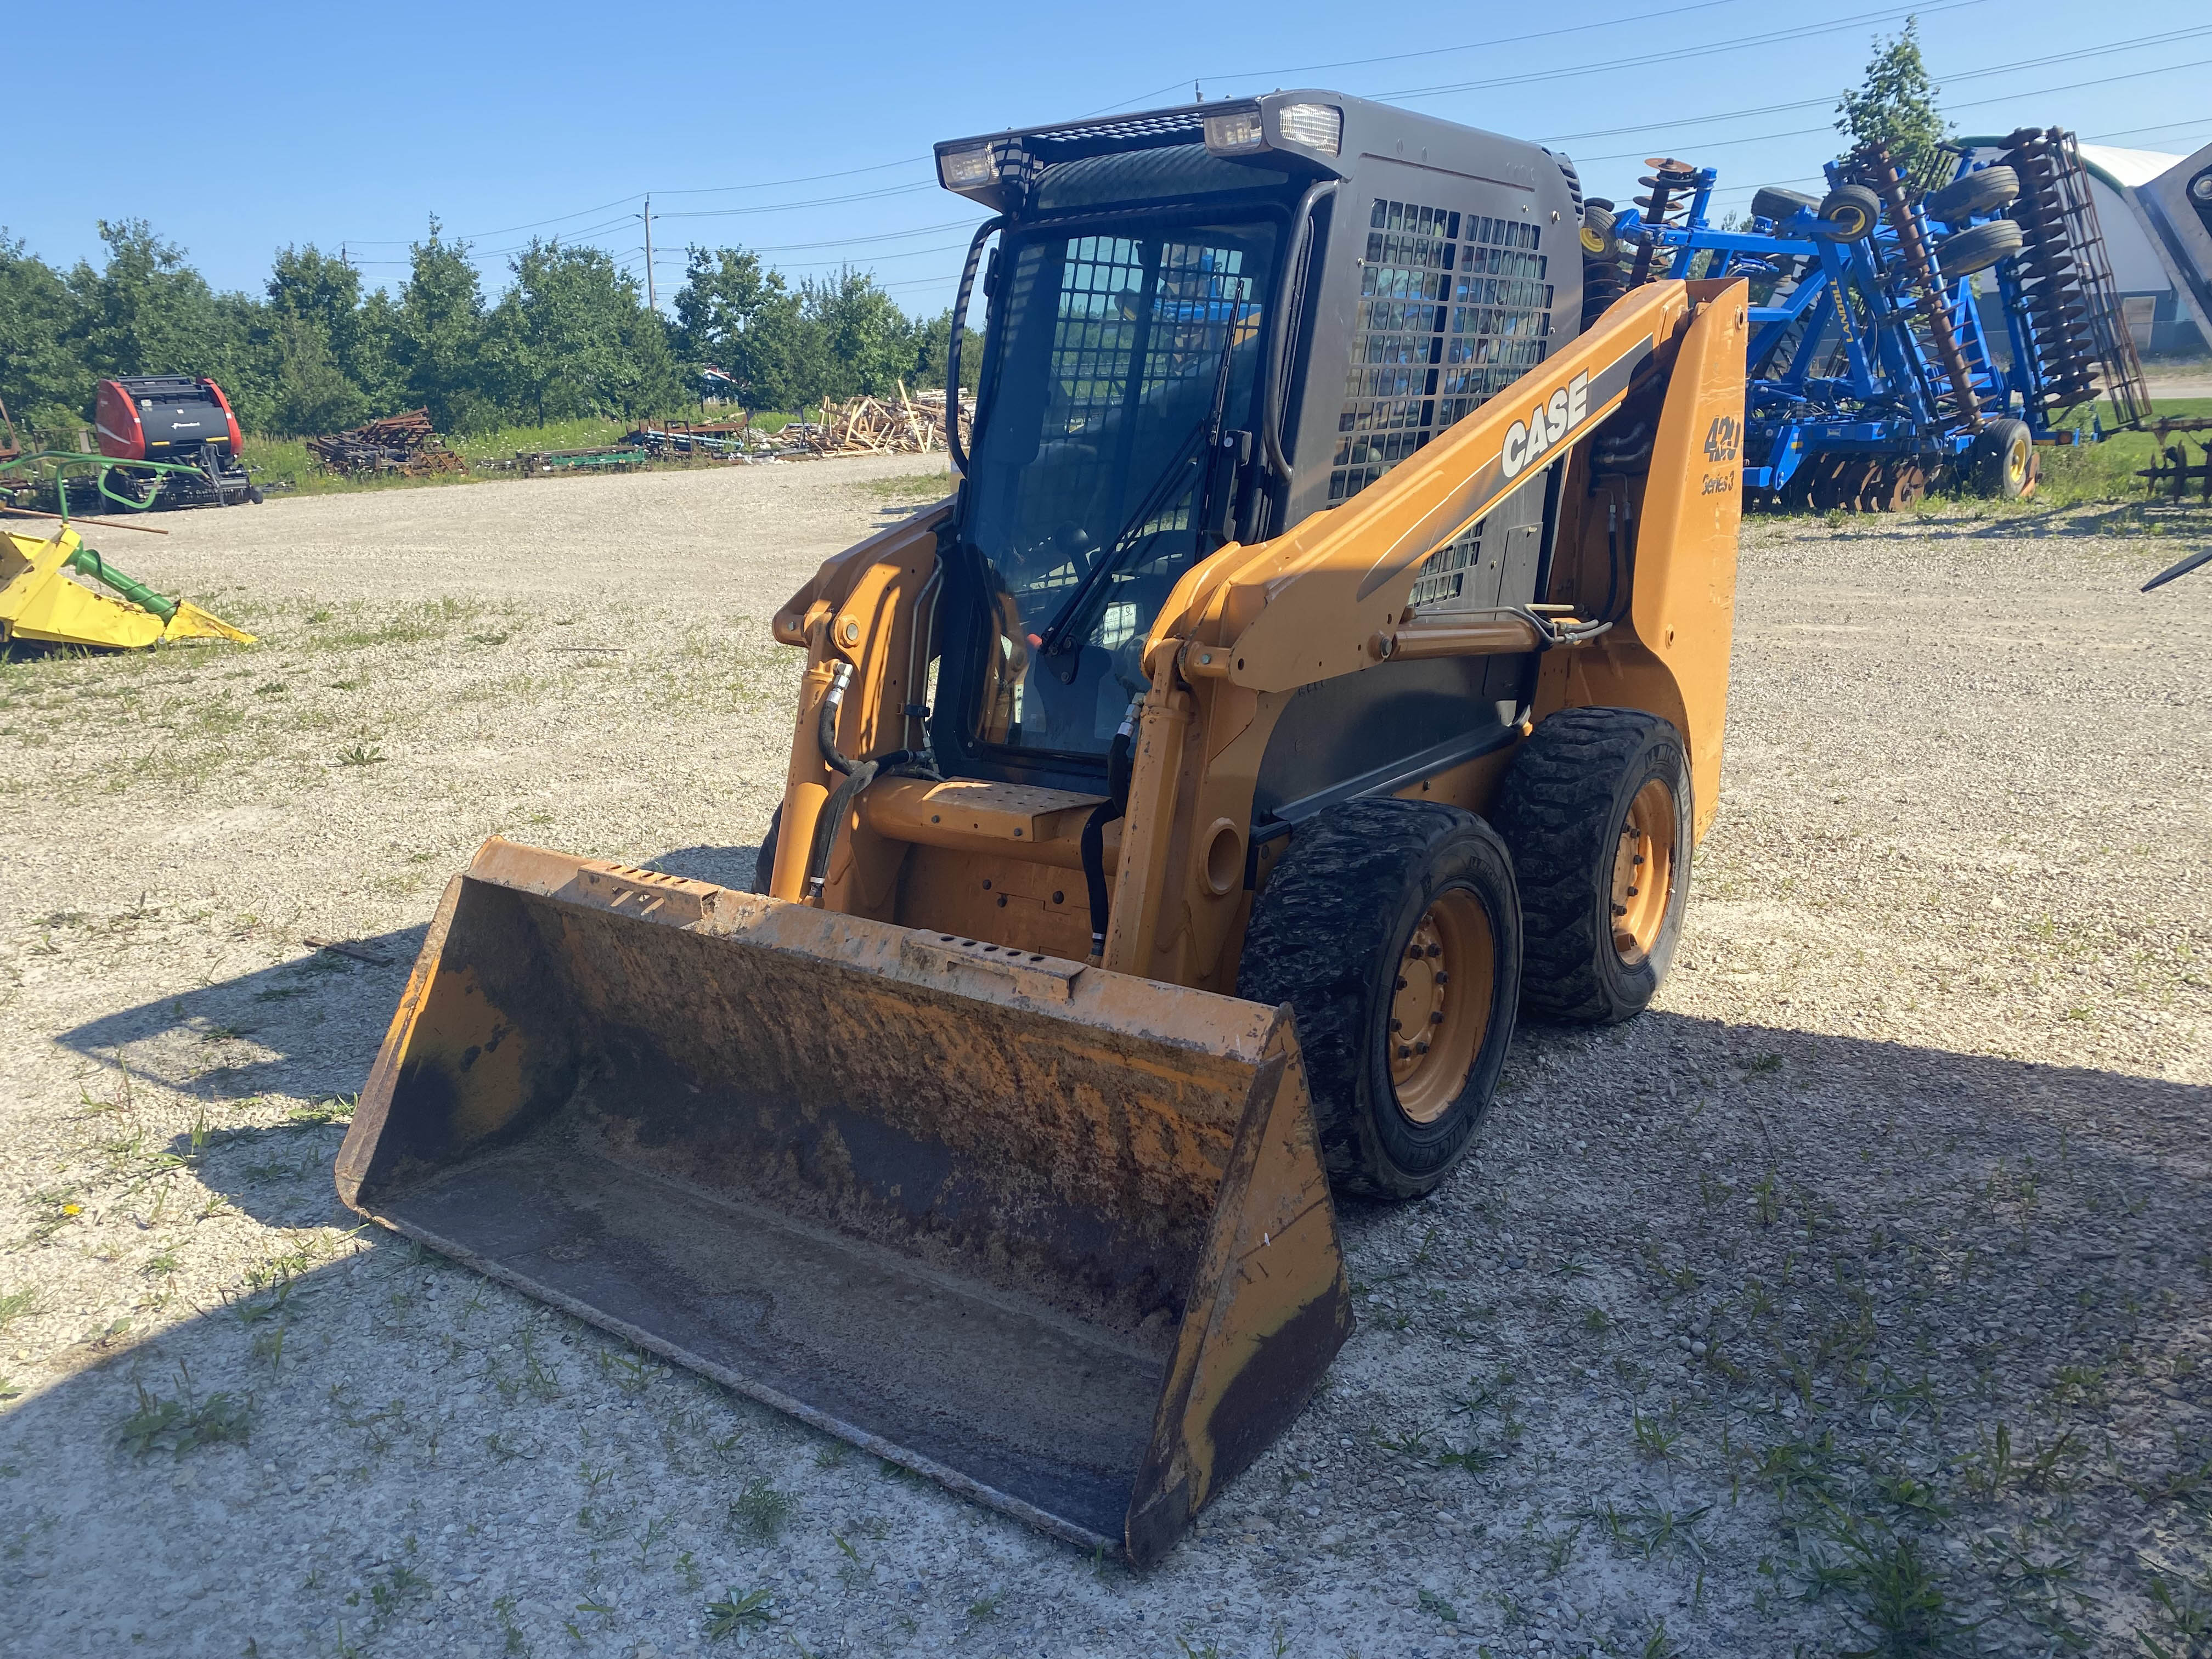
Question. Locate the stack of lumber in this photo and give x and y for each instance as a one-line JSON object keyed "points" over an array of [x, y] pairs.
{"points": [[909, 423], [399, 443]]}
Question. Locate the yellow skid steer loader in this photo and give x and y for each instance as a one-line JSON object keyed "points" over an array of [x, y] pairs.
{"points": [[1323, 658]]}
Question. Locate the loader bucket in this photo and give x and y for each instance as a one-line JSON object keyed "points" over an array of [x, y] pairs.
{"points": [[1059, 1237]]}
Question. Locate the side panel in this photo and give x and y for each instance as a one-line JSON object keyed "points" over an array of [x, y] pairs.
{"points": [[1685, 554], [1438, 290]]}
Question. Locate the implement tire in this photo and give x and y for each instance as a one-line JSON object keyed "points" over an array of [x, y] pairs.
{"points": [[2003, 461], [1596, 805], [1972, 195], [1392, 929], [1853, 209], [1966, 252], [1778, 205]]}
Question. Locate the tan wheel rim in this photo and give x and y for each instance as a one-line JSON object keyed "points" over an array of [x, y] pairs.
{"points": [[1643, 873], [1440, 1012]]}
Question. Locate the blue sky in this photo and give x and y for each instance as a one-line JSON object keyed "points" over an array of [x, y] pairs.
{"points": [[805, 130]]}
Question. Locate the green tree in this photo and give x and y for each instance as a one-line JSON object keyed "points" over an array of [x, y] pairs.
{"points": [[932, 344], [438, 334], [572, 336], [741, 317], [355, 336], [148, 311], [1895, 106], [311, 392], [867, 344], [43, 381]]}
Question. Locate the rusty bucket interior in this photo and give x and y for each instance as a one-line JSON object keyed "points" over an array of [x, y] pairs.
{"points": [[1058, 1237]]}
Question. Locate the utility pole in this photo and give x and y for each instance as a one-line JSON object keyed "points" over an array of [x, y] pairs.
{"points": [[650, 303]]}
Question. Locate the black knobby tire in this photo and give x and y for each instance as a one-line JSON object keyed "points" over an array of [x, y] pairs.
{"points": [[1574, 796], [1330, 936], [764, 860], [1775, 204], [2004, 461], [1976, 249], [1977, 193], [1853, 209]]}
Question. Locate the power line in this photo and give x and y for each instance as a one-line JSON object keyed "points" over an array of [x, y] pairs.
{"points": [[1961, 75], [1643, 60], [1401, 56], [811, 179], [1977, 103]]}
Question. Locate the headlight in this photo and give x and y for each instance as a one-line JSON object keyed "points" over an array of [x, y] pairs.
{"points": [[1240, 129], [1317, 126], [964, 169]]}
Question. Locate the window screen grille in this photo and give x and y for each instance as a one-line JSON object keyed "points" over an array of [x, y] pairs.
{"points": [[1443, 574], [1453, 308]]}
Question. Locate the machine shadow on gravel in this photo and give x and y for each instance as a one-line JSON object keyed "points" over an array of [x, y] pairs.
{"points": [[1813, 1113], [348, 1313]]}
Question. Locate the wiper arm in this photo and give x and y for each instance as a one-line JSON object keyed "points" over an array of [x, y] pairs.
{"points": [[1071, 623], [1072, 620]]}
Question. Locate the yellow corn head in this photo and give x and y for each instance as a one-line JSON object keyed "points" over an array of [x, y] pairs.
{"points": [[41, 603]]}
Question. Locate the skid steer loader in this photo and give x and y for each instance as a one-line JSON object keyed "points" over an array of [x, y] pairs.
{"points": [[1323, 658]]}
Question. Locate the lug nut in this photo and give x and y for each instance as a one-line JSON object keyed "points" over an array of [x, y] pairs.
{"points": [[1401, 982], [1620, 909], [1404, 1053], [1631, 892], [1397, 1026], [1442, 977], [1437, 1018], [1420, 1047], [1436, 950]]}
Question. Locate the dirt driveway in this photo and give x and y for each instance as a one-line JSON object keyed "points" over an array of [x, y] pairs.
{"points": [[1853, 1299]]}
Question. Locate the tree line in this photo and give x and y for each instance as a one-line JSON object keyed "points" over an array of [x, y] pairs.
{"points": [[570, 335]]}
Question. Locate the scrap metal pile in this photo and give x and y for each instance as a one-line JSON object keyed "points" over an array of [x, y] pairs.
{"points": [[404, 444], [910, 423]]}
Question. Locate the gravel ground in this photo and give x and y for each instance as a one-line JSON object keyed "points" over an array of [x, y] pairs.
{"points": [[1851, 1299]]}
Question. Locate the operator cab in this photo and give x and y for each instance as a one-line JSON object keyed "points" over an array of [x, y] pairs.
{"points": [[1161, 287]]}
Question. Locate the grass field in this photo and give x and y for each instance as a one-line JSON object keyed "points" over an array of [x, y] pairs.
{"points": [[285, 463]]}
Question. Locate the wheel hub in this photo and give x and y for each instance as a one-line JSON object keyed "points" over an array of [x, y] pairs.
{"points": [[1644, 872], [1440, 1008]]}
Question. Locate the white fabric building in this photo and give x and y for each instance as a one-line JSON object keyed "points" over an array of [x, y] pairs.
{"points": [[2161, 312]]}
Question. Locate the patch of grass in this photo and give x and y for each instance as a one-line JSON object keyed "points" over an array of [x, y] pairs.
{"points": [[16, 1303], [360, 754], [185, 1423], [1898, 1608], [912, 486], [739, 1615], [760, 1512], [1654, 1442], [1433, 1603]]}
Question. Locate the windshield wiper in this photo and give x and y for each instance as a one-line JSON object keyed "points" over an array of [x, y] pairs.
{"points": [[1072, 623]]}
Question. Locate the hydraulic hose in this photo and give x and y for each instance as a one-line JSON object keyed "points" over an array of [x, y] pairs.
{"points": [[856, 775], [1094, 831]]}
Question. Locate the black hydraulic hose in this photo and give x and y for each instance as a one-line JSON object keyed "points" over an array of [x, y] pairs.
{"points": [[952, 443], [832, 819], [1094, 830], [856, 777]]}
